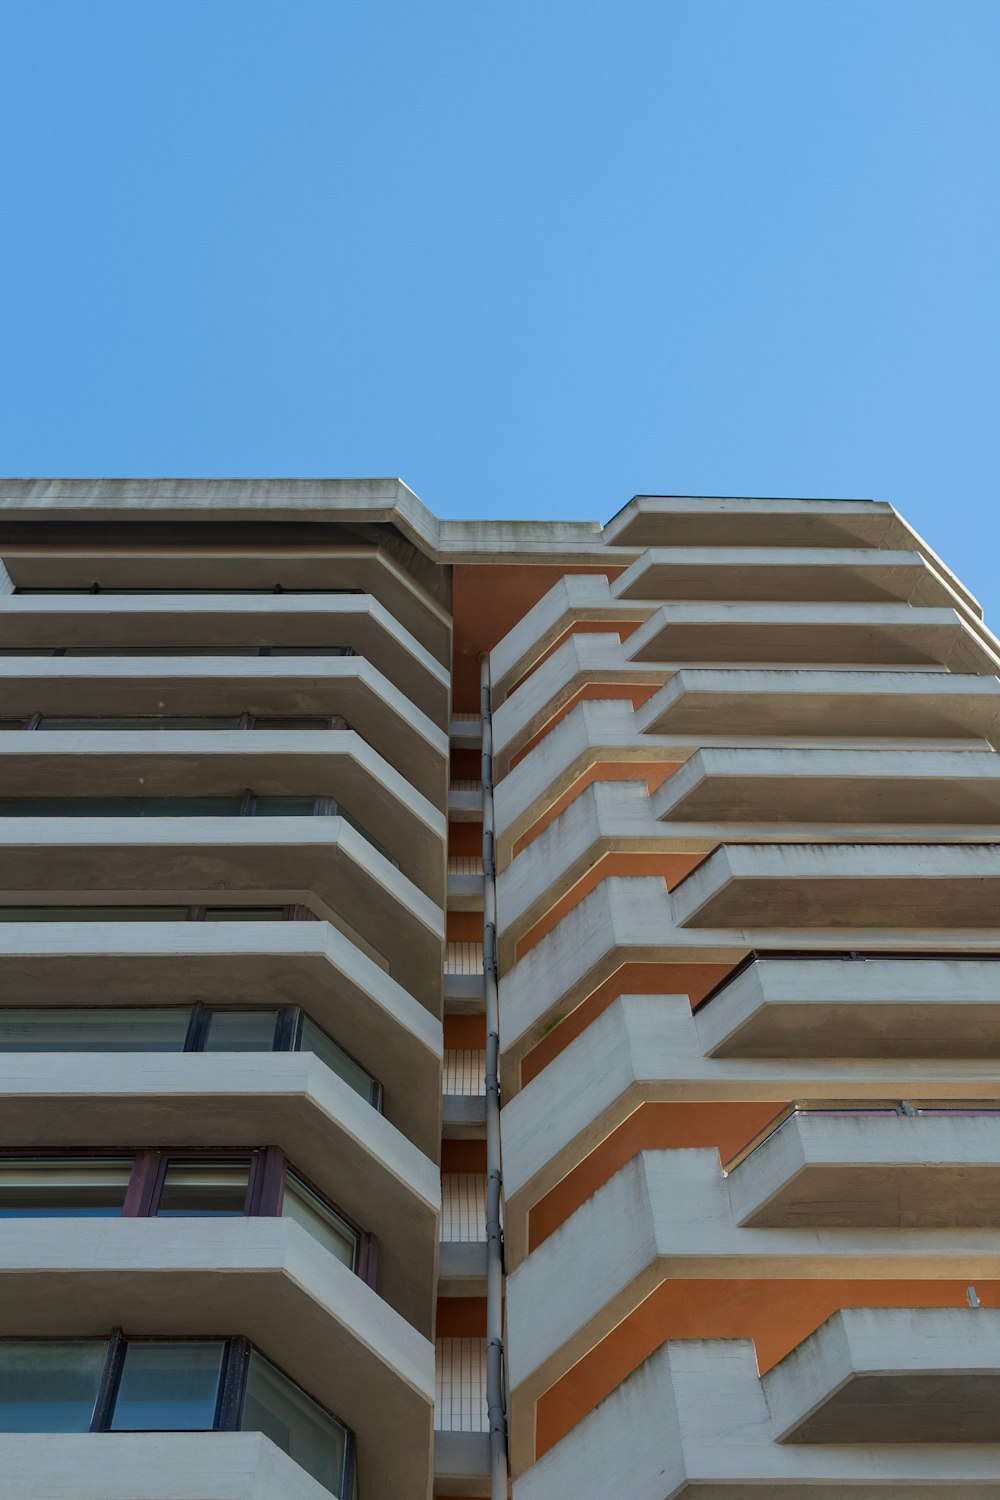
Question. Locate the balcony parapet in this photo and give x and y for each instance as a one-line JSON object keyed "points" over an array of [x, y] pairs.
{"points": [[662, 1423], [267, 1278]]}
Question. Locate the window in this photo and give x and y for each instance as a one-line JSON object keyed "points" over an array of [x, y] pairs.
{"points": [[50, 1188], [170, 1385], [182, 1185], [67, 913], [180, 1028], [220, 649], [145, 722]]}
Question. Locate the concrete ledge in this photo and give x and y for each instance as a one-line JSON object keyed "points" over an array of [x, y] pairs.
{"points": [[874, 787], [855, 634], [933, 887], [465, 892], [321, 861], [874, 1172], [807, 1006], [265, 1278], [127, 763], [842, 574], [66, 686], [111, 1101], [576, 597], [647, 1050], [789, 701], [152, 1466], [662, 1427], [242, 963], [463, 1117], [891, 1375], [355, 620]]}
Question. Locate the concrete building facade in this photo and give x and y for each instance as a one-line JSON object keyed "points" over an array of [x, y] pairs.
{"points": [[493, 1007]]}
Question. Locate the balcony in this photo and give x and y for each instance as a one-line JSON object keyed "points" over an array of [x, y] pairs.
{"points": [[266, 1279], [808, 1006], [217, 626], [855, 634], [267, 686], [699, 701], [320, 860], [817, 574], [923, 1380], [931, 888], [191, 765]]}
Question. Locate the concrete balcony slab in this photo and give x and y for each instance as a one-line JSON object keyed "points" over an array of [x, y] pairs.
{"points": [[833, 785], [315, 566], [286, 620], [644, 1052], [242, 963], [599, 1267], [153, 1466], [321, 861], [754, 521], [264, 1278], [876, 1171], [575, 600], [808, 1006], [71, 686], [662, 1426], [814, 574], [844, 704], [933, 887], [205, 763], [855, 634], [110, 1101], [892, 1375]]}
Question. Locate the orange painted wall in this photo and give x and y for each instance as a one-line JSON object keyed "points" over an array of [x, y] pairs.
{"points": [[461, 1318], [591, 692], [463, 1156], [651, 774], [672, 867], [725, 1125], [693, 980], [776, 1314], [488, 600]]}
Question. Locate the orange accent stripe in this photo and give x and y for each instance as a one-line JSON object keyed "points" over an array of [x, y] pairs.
{"points": [[651, 1127], [776, 1314], [652, 773], [693, 980], [590, 692]]}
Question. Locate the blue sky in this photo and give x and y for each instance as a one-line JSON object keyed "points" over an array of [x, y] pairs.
{"points": [[532, 257]]}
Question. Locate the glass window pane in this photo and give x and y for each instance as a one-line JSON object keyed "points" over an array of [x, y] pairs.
{"points": [[49, 1385], [263, 722], [314, 1040], [241, 1031], [12, 724], [119, 807], [83, 1030], [49, 1189], [284, 807], [308, 1209], [219, 650], [204, 1189], [295, 1423], [168, 1388], [244, 913], [141, 722], [93, 913], [313, 651]]}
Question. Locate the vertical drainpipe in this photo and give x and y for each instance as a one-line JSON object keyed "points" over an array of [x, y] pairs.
{"points": [[494, 1232]]}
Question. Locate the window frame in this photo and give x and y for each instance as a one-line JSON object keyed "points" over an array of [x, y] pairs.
{"points": [[269, 1167]]}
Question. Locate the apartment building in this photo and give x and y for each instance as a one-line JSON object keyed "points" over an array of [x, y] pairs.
{"points": [[493, 1007]]}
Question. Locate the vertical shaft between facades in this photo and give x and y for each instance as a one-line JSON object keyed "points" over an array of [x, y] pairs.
{"points": [[496, 1406]]}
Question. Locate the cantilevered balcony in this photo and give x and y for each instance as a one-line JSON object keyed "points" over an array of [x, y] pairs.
{"points": [[221, 625], [321, 861], [86, 690], [853, 634], [266, 1279], [189, 765], [747, 702], [903, 1403], [240, 965], [810, 1006], [792, 574]]}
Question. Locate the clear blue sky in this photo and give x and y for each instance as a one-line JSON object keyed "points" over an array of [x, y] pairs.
{"points": [[532, 257]]}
